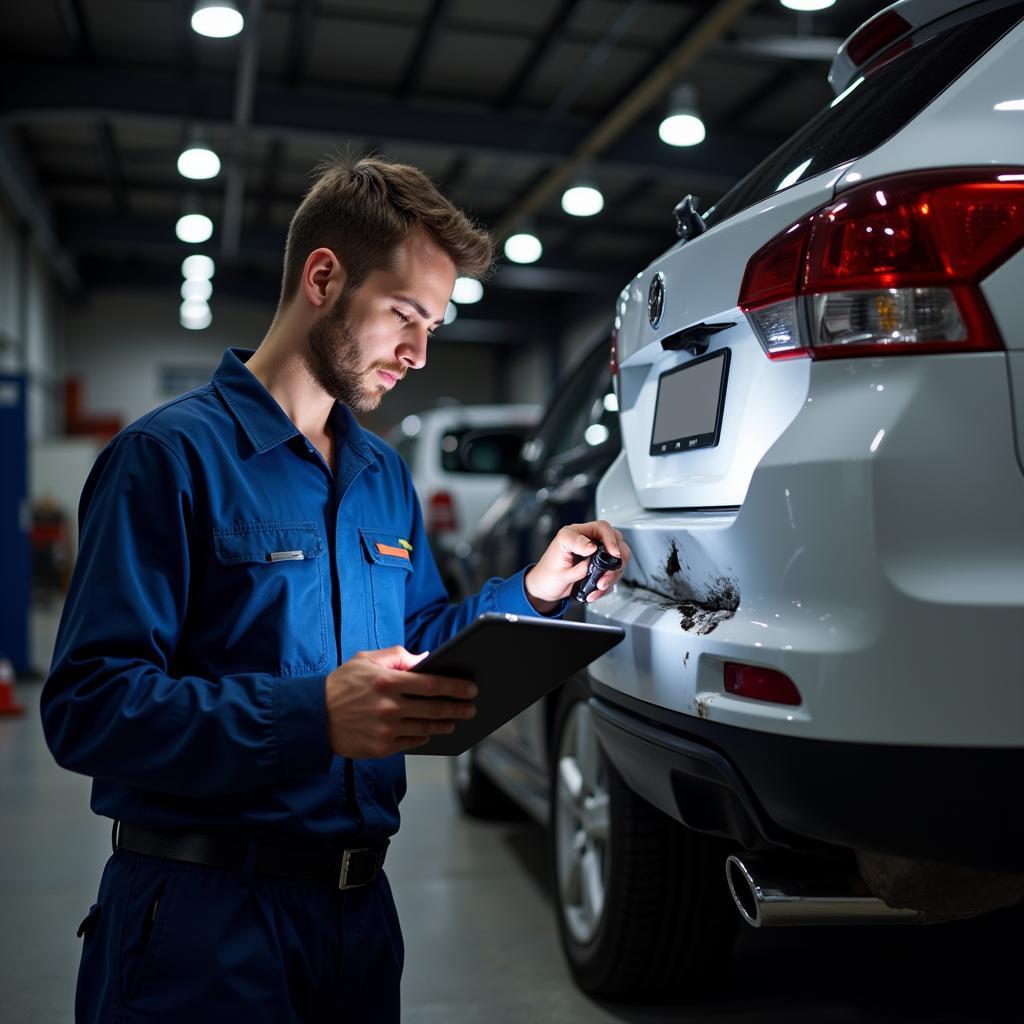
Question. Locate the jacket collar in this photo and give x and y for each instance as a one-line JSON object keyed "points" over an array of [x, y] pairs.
{"points": [[264, 421]]}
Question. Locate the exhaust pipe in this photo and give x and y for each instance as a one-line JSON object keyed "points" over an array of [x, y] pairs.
{"points": [[768, 895]]}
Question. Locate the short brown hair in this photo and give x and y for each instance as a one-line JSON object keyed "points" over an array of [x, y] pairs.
{"points": [[361, 210]]}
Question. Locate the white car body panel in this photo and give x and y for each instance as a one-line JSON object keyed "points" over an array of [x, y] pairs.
{"points": [[869, 511]]}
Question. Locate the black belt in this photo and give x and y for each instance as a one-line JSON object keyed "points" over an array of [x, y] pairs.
{"points": [[342, 868]]}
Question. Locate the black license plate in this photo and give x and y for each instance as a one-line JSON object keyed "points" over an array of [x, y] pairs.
{"points": [[688, 412]]}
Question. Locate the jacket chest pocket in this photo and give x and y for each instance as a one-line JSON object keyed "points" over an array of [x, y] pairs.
{"points": [[270, 597], [388, 562]]}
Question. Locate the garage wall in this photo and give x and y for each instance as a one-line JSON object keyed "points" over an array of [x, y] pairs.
{"points": [[133, 355], [31, 324]]}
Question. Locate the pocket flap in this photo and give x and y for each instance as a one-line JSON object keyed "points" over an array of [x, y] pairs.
{"points": [[385, 547], [267, 542]]}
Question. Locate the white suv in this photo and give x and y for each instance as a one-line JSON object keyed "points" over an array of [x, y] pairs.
{"points": [[821, 394], [455, 454]]}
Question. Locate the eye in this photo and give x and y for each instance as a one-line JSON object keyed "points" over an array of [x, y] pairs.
{"points": [[401, 316]]}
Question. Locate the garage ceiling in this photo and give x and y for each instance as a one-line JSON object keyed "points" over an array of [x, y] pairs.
{"points": [[492, 99]]}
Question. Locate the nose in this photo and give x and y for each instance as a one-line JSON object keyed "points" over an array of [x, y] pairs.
{"points": [[412, 350]]}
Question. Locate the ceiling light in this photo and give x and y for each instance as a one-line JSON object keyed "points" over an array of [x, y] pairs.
{"points": [[196, 288], [467, 291], [194, 228], [582, 200], [523, 248], [195, 314], [807, 5], [450, 313], [198, 267], [682, 126], [411, 426], [198, 163], [217, 19]]}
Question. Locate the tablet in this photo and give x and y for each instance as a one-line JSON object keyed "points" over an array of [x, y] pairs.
{"points": [[514, 660]]}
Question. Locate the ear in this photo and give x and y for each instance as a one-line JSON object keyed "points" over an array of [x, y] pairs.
{"points": [[323, 277]]}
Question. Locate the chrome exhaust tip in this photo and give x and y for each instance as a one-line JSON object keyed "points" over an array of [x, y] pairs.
{"points": [[769, 896]]}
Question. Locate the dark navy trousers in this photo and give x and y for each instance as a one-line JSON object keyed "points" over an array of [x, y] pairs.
{"points": [[171, 942]]}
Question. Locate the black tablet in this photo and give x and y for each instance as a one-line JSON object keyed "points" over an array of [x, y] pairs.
{"points": [[514, 660]]}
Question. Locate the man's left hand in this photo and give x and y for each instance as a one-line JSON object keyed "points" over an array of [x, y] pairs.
{"points": [[566, 561]]}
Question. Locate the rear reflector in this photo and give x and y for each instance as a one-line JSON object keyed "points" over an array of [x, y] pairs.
{"points": [[758, 683], [441, 516], [891, 266]]}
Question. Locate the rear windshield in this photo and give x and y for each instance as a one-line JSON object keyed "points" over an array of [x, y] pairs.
{"points": [[870, 112]]}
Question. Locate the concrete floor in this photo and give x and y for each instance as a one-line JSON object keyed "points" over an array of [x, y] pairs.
{"points": [[480, 937]]}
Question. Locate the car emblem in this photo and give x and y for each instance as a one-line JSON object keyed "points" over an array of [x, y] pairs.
{"points": [[656, 299]]}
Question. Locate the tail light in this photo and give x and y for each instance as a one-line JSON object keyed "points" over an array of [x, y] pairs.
{"points": [[890, 267], [441, 516], [760, 684]]}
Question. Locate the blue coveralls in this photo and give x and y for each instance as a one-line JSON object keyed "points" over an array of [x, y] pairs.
{"points": [[188, 681]]}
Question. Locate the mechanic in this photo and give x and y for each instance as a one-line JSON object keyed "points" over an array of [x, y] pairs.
{"points": [[230, 666]]}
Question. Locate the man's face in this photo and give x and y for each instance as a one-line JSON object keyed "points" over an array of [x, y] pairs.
{"points": [[374, 334]]}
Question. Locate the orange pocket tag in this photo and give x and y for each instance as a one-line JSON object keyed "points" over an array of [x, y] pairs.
{"points": [[387, 549]]}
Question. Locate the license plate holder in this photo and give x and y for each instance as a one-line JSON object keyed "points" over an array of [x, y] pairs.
{"points": [[689, 405]]}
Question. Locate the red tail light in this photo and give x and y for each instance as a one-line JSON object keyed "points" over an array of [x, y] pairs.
{"points": [[441, 516], [891, 266], [876, 35], [760, 684]]}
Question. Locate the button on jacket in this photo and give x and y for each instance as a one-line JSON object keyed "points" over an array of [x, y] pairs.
{"points": [[224, 570]]}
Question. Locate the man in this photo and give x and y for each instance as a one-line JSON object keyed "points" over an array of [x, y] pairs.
{"points": [[231, 664]]}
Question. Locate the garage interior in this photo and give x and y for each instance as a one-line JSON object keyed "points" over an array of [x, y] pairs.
{"points": [[504, 106]]}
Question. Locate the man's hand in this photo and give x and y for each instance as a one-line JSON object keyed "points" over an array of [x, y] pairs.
{"points": [[375, 707], [566, 562]]}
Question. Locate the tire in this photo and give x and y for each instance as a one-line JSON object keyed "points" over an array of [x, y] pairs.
{"points": [[643, 905], [476, 794]]}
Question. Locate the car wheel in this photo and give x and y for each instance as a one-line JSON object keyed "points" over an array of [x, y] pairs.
{"points": [[476, 794], [643, 905]]}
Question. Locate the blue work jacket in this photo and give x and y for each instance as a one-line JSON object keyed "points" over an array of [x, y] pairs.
{"points": [[223, 571]]}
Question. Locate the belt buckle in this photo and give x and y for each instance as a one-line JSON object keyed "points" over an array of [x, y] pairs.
{"points": [[346, 858]]}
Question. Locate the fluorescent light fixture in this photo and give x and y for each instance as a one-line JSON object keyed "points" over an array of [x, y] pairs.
{"points": [[195, 314], [682, 125], [194, 228], [523, 248], [1010, 105], [196, 288], [198, 267], [582, 200], [198, 163], [807, 5], [467, 291], [217, 19], [450, 313]]}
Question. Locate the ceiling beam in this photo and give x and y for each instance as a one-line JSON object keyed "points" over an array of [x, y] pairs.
{"points": [[73, 18], [551, 31], [431, 26], [37, 93], [629, 110], [245, 93], [104, 239], [301, 38]]}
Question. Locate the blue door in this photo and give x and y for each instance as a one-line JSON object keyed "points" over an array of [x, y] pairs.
{"points": [[15, 562]]}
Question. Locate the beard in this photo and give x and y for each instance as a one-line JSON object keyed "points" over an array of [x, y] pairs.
{"points": [[334, 360]]}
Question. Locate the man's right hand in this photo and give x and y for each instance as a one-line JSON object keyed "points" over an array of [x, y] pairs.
{"points": [[375, 706]]}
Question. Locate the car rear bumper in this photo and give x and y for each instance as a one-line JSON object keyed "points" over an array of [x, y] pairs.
{"points": [[952, 805]]}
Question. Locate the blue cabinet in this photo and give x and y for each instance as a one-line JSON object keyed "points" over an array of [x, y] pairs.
{"points": [[15, 554]]}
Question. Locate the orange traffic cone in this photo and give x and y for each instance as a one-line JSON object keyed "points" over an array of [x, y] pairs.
{"points": [[8, 704]]}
